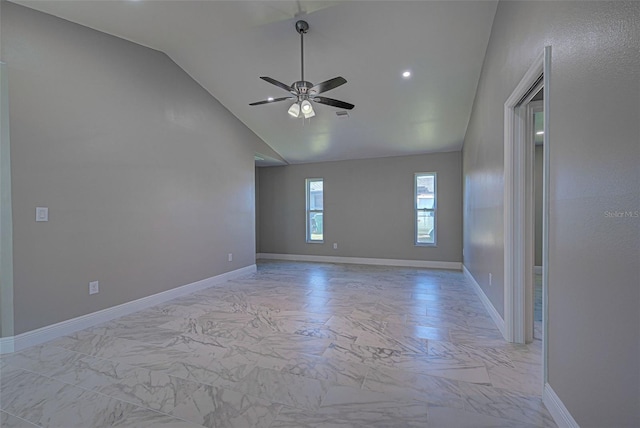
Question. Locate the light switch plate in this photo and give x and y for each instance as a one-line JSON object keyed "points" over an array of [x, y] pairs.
{"points": [[94, 287], [42, 214]]}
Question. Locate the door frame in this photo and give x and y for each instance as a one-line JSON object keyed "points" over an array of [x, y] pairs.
{"points": [[516, 179], [532, 107]]}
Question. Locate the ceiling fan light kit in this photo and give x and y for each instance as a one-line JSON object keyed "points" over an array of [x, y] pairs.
{"points": [[294, 110], [306, 107], [307, 110], [303, 92]]}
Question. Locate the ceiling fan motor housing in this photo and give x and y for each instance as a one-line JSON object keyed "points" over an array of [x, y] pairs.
{"points": [[302, 87]]}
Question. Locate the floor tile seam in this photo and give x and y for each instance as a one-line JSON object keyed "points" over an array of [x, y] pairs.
{"points": [[8, 363], [517, 391], [95, 392], [501, 419], [184, 379], [135, 343], [394, 397], [113, 361], [277, 415], [456, 382], [40, 374], [83, 356], [485, 348], [364, 380], [123, 400], [520, 420], [138, 405], [433, 373], [233, 386], [120, 336], [197, 384], [22, 419], [88, 331], [502, 392], [116, 362], [329, 382], [477, 346], [424, 397], [280, 403], [59, 347], [369, 366]]}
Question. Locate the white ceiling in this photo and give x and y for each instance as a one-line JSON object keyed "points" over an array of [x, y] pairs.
{"points": [[227, 45]]}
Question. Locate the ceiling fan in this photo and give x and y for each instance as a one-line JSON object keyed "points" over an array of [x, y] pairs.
{"points": [[304, 92]]}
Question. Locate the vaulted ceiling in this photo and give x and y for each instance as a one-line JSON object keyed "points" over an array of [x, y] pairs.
{"points": [[227, 45]]}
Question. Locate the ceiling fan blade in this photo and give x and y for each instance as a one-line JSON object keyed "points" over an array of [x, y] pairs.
{"points": [[271, 101], [328, 85], [333, 103], [279, 84]]}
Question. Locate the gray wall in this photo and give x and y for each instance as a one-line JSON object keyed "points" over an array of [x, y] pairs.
{"points": [[6, 228], [257, 188], [6, 281], [537, 183], [148, 179], [368, 208], [594, 291]]}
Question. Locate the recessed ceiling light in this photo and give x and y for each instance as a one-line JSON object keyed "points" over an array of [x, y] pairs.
{"points": [[539, 132], [406, 74], [270, 99]]}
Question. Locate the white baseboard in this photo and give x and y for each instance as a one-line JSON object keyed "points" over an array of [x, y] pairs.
{"points": [[495, 316], [6, 345], [361, 261], [537, 270], [44, 334], [556, 408]]}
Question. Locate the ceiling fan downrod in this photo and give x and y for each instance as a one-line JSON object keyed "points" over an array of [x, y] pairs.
{"points": [[302, 27]]}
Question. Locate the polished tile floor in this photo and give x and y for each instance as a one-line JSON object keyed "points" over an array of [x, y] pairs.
{"points": [[294, 345]]}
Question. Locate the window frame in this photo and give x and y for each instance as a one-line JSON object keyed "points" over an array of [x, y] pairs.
{"points": [[308, 211], [416, 210]]}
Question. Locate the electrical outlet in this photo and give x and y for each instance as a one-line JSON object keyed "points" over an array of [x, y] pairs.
{"points": [[230, 257], [42, 214], [94, 287], [490, 278], [335, 245]]}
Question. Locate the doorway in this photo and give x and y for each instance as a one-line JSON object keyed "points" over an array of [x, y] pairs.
{"points": [[535, 143], [519, 309]]}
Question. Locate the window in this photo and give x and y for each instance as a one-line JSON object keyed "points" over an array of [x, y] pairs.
{"points": [[425, 208], [315, 214]]}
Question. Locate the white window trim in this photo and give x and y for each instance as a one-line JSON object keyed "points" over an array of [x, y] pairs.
{"points": [[435, 210], [307, 211]]}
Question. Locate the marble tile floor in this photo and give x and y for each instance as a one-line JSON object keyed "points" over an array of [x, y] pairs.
{"points": [[293, 345]]}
